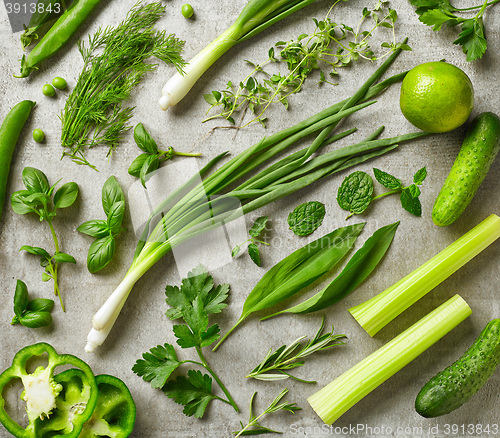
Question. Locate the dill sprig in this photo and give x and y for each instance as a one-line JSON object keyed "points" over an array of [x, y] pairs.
{"points": [[114, 62]]}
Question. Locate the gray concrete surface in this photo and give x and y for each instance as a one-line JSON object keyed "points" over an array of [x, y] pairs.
{"points": [[143, 324]]}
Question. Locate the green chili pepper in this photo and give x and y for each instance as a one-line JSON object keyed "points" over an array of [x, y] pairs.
{"points": [[9, 134], [59, 34], [114, 414], [57, 405]]}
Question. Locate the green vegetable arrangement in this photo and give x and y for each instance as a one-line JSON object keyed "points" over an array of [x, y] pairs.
{"points": [[255, 230], [39, 198], [456, 384], [356, 191], [193, 301], [102, 249], [472, 37], [31, 313], [115, 61], [73, 403], [192, 210]]}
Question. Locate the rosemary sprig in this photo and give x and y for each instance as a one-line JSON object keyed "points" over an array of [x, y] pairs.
{"points": [[253, 427], [287, 358], [114, 62]]}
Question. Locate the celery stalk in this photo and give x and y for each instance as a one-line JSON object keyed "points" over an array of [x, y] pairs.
{"points": [[346, 390], [375, 313]]}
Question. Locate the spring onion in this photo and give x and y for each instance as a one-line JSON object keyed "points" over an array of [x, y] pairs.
{"points": [[192, 209], [255, 17], [384, 307], [346, 390]]}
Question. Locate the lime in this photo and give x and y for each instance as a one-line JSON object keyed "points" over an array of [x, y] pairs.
{"points": [[436, 97]]}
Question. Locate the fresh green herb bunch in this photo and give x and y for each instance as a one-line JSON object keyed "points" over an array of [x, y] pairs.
{"points": [[39, 198], [472, 37], [306, 218], [287, 358], [255, 231], [193, 301], [356, 191], [114, 62], [150, 160], [102, 249], [254, 427], [330, 47], [31, 313]]}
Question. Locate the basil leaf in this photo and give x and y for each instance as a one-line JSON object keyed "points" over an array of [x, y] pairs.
{"points": [[420, 176], [136, 166], [41, 305], [115, 216], [355, 192], [36, 251], [46, 277], [150, 165], [388, 181], [100, 253], [94, 228], [21, 298], [253, 252], [62, 257], [306, 218], [18, 203], [111, 193], [35, 180], [258, 226], [144, 140], [411, 203], [36, 319], [66, 195]]}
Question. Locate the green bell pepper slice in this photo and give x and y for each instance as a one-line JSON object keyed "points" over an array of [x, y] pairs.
{"points": [[114, 413], [57, 405]]}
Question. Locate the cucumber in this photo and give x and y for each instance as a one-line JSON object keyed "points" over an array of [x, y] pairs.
{"points": [[480, 146], [455, 385]]}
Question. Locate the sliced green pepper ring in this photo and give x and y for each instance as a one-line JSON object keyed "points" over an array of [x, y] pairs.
{"points": [[114, 413], [42, 389]]}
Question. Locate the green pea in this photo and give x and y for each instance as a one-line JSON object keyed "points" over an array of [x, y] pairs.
{"points": [[59, 83], [187, 10], [48, 90], [38, 135]]}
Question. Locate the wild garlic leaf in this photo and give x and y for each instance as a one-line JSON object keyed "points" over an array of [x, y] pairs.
{"points": [[306, 218], [355, 192], [157, 365], [388, 181], [194, 392], [420, 176], [258, 226]]}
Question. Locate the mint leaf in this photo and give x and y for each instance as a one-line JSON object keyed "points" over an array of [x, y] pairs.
{"points": [[388, 181], [193, 392], [258, 226], [355, 192], [420, 176], [411, 203], [157, 365], [253, 252], [306, 218]]}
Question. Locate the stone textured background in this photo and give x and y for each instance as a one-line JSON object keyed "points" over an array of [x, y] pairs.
{"points": [[143, 325]]}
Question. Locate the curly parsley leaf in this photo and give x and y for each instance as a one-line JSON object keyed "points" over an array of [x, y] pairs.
{"points": [[157, 365], [194, 392], [355, 192], [306, 218]]}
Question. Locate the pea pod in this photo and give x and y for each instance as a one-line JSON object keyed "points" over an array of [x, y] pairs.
{"points": [[9, 134], [59, 34], [479, 149]]}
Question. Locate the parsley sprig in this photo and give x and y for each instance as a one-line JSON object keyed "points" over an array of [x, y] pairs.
{"points": [[329, 47], [193, 301], [437, 13]]}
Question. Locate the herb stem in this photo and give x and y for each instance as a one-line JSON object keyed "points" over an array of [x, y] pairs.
{"points": [[55, 265], [229, 332], [230, 400], [476, 7]]}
